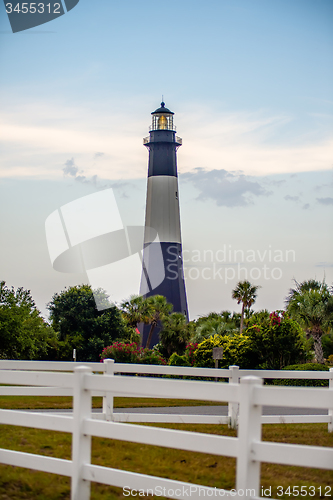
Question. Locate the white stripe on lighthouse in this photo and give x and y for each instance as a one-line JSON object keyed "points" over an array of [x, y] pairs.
{"points": [[162, 212]]}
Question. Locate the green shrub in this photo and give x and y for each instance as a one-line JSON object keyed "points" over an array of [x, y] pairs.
{"points": [[150, 357], [327, 343], [121, 352], [276, 340], [304, 382], [237, 350], [130, 353], [176, 360], [189, 352], [203, 355]]}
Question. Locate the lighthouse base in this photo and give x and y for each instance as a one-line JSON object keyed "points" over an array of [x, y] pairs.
{"points": [[170, 277]]}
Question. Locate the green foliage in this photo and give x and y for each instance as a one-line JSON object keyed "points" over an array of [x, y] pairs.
{"points": [[270, 341], [236, 351], [189, 352], [174, 334], [23, 332], [245, 293], [136, 310], [304, 382], [275, 339], [327, 343], [131, 353], [158, 308], [121, 352], [176, 360], [80, 325], [151, 357], [215, 324], [311, 304], [203, 355]]}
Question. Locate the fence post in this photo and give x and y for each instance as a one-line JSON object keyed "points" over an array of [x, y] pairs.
{"points": [[330, 410], [249, 430], [81, 443], [108, 399], [233, 408]]}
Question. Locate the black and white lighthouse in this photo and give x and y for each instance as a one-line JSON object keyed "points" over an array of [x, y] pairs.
{"points": [[162, 217]]}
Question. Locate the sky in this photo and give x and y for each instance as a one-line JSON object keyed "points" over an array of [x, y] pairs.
{"points": [[250, 82]]}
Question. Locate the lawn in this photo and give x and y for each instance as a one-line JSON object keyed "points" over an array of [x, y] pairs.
{"points": [[219, 471], [65, 402]]}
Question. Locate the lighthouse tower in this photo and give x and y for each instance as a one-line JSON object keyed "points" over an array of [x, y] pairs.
{"points": [[162, 217]]}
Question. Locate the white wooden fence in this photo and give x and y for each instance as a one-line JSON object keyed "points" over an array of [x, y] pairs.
{"points": [[248, 448], [233, 374]]}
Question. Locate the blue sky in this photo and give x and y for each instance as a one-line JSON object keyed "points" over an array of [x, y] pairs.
{"points": [[250, 82]]}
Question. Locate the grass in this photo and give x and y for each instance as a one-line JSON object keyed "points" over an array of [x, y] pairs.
{"points": [[219, 471], [65, 402]]}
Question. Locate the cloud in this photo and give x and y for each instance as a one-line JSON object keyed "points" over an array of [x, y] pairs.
{"points": [[98, 155], [276, 183], [228, 189], [70, 168], [306, 206], [38, 136], [325, 201], [291, 198]]}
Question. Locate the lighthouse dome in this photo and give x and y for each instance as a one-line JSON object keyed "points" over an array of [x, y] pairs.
{"points": [[162, 109]]}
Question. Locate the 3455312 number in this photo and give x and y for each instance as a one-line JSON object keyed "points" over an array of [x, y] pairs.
{"points": [[33, 8]]}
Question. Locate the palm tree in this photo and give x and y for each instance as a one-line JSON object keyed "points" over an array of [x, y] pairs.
{"points": [[175, 333], [158, 309], [311, 303], [136, 310], [245, 293], [221, 324]]}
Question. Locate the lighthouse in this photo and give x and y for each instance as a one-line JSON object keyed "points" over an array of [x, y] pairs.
{"points": [[162, 224]]}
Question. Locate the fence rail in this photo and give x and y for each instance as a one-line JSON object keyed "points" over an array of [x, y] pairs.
{"points": [[233, 374], [248, 448], [68, 366]]}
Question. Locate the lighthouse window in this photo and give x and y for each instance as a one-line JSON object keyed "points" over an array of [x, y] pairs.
{"points": [[176, 195]]}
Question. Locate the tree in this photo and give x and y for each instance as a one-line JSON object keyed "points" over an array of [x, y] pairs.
{"points": [[24, 334], [136, 310], [175, 334], [245, 293], [276, 340], [223, 323], [74, 315], [158, 308], [311, 303]]}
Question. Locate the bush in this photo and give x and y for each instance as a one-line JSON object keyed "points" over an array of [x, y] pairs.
{"points": [[189, 352], [276, 340], [237, 350], [130, 353], [121, 352], [304, 382], [327, 343], [203, 355], [150, 357], [176, 360]]}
